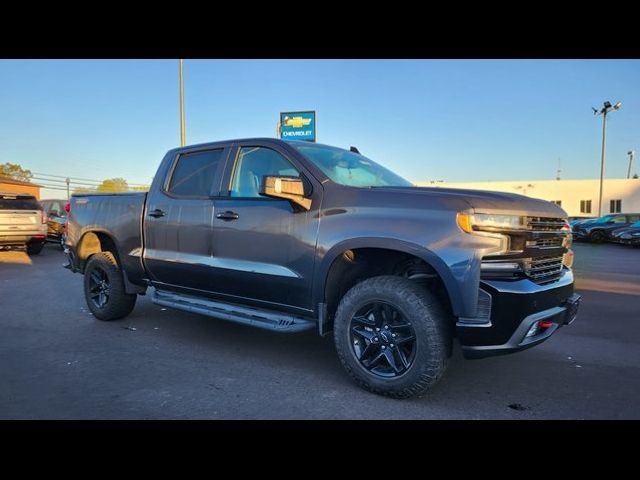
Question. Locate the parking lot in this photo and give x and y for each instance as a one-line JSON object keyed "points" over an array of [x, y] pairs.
{"points": [[58, 362]]}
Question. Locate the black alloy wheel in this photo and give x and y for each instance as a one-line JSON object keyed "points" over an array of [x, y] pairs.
{"points": [[382, 339], [99, 287]]}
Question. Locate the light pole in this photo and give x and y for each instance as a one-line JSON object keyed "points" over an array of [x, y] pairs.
{"points": [[182, 141], [605, 109], [631, 153]]}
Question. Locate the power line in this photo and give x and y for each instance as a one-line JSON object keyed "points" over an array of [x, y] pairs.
{"points": [[84, 181], [64, 181]]}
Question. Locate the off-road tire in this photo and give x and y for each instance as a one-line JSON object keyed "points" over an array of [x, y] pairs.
{"points": [[119, 304], [430, 322]]}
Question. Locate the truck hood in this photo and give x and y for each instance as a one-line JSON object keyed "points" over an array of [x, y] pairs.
{"points": [[484, 201]]}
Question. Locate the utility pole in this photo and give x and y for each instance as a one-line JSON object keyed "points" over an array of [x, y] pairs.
{"points": [[631, 153], [67, 182], [182, 139], [606, 109]]}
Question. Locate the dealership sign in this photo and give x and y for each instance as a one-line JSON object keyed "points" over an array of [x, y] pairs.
{"points": [[298, 126]]}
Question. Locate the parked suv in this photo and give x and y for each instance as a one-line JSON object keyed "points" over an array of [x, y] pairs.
{"points": [[56, 220], [23, 223], [597, 230]]}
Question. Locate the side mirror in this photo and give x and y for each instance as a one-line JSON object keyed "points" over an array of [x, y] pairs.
{"points": [[287, 188]]}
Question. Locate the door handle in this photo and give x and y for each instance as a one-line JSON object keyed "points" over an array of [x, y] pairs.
{"points": [[156, 213], [228, 215]]}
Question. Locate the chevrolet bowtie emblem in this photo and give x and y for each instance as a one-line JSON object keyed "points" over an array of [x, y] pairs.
{"points": [[296, 122]]}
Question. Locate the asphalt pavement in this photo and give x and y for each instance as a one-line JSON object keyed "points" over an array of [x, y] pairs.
{"points": [[58, 362]]}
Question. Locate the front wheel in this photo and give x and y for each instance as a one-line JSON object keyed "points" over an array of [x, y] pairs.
{"points": [[597, 236], [392, 336], [104, 288]]}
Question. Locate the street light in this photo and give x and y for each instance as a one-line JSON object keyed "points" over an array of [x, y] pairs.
{"points": [[631, 153], [605, 109], [182, 140]]}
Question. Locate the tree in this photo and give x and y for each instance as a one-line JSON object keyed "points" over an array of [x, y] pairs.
{"points": [[113, 185], [142, 188], [15, 171]]}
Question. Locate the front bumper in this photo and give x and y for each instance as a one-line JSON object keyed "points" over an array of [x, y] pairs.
{"points": [[628, 241], [516, 306]]}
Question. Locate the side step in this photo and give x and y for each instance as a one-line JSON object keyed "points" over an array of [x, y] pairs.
{"points": [[255, 317]]}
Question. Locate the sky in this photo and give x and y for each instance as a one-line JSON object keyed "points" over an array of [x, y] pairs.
{"points": [[451, 120]]}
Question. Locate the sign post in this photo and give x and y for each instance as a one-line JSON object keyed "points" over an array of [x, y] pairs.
{"points": [[297, 126]]}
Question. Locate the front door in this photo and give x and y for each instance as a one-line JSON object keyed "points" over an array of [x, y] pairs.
{"points": [[264, 247]]}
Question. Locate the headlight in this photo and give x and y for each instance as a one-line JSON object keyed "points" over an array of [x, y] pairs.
{"points": [[470, 222]]}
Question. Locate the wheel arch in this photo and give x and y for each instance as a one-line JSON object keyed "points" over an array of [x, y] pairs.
{"points": [[100, 240], [334, 265]]}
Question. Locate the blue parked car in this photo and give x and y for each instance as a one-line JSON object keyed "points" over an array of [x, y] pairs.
{"points": [[597, 230]]}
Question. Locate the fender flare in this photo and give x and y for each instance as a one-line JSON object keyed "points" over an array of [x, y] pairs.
{"points": [[431, 258], [129, 286]]}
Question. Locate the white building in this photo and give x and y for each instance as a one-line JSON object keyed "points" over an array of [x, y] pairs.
{"points": [[576, 197]]}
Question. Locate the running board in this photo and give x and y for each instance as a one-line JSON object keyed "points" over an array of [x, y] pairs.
{"points": [[255, 317]]}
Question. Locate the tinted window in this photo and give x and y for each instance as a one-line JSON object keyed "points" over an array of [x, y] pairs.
{"points": [[9, 203], [254, 163], [195, 173], [633, 218]]}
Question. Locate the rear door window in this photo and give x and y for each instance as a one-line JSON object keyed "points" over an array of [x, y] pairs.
{"points": [[195, 174]]}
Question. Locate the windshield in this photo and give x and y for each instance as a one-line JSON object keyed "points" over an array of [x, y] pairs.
{"points": [[349, 168]]}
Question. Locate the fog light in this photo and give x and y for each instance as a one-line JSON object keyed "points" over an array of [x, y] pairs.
{"points": [[533, 330], [545, 323]]}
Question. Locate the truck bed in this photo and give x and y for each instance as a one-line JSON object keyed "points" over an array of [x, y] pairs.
{"points": [[117, 214]]}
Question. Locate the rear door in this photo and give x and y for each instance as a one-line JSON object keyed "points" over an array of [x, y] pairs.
{"points": [[178, 220]]}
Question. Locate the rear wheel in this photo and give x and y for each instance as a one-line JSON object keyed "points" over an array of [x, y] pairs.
{"points": [[392, 336], [35, 248], [104, 288], [597, 236]]}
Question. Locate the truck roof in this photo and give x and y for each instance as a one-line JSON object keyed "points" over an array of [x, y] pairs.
{"points": [[219, 142]]}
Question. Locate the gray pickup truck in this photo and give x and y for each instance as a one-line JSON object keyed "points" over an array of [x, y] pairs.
{"points": [[291, 235]]}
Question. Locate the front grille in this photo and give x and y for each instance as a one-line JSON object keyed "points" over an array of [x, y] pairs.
{"points": [[545, 224], [543, 269], [545, 242], [539, 250]]}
